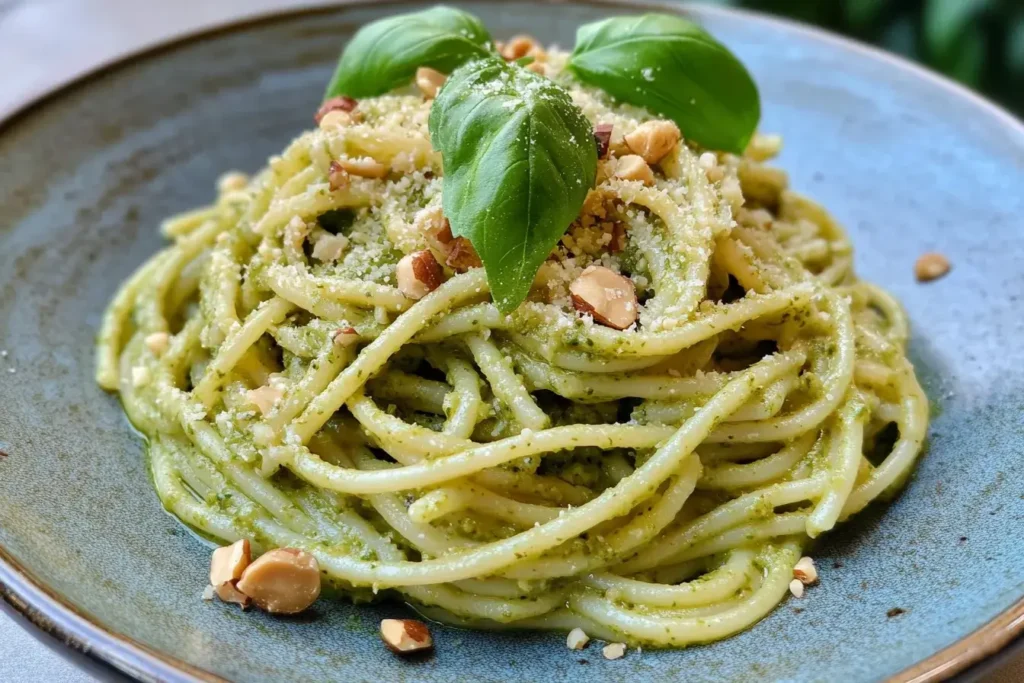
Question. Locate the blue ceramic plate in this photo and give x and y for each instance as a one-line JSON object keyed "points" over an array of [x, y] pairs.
{"points": [[909, 162]]}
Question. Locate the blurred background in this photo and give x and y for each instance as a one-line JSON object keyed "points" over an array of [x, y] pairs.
{"points": [[977, 42]]}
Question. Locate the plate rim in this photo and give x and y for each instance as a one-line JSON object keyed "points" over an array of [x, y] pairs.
{"points": [[57, 617]]}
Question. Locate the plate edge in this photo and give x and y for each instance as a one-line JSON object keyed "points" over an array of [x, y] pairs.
{"points": [[80, 631], [67, 623]]}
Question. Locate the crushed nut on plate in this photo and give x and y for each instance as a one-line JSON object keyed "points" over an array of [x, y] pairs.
{"points": [[226, 567], [796, 587], [228, 562], [614, 650], [805, 571], [577, 639], [282, 581], [405, 636], [931, 266]]}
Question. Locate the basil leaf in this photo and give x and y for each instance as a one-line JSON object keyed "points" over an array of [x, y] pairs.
{"points": [[519, 159], [674, 68], [385, 54]]}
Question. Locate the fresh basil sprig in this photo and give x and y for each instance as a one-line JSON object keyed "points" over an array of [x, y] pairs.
{"points": [[519, 158], [674, 68], [385, 54]]}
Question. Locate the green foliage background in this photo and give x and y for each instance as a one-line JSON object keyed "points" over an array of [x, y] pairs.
{"points": [[977, 42]]}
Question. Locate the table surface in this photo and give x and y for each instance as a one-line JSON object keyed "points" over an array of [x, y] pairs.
{"points": [[53, 42]]}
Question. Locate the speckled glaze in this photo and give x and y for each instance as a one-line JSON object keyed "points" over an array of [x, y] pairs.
{"points": [[906, 161]]}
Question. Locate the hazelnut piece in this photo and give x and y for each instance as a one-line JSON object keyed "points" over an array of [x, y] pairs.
{"points": [[931, 266], [345, 337], [653, 140], [338, 177], [805, 571], [226, 567], [340, 103], [577, 639], [614, 650], [405, 636], [518, 47], [603, 138], [364, 167], [461, 255], [429, 81], [228, 562], [609, 297], [282, 581], [419, 274], [227, 592], [633, 167]]}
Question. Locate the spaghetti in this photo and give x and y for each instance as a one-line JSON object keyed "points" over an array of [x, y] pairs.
{"points": [[654, 485]]}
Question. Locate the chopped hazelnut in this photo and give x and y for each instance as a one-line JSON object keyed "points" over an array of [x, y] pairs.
{"points": [[653, 140], [538, 68], [337, 119], [264, 397], [157, 342], [429, 81], [614, 650], [431, 222], [419, 274], [405, 636], [282, 581], [931, 266], [603, 138], [609, 297], [345, 337], [577, 639], [461, 255], [456, 252], [518, 47], [340, 103], [228, 592], [232, 182], [633, 167], [364, 167], [226, 567], [209, 593], [228, 562], [796, 587], [805, 571], [338, 177], [330, 247]]}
